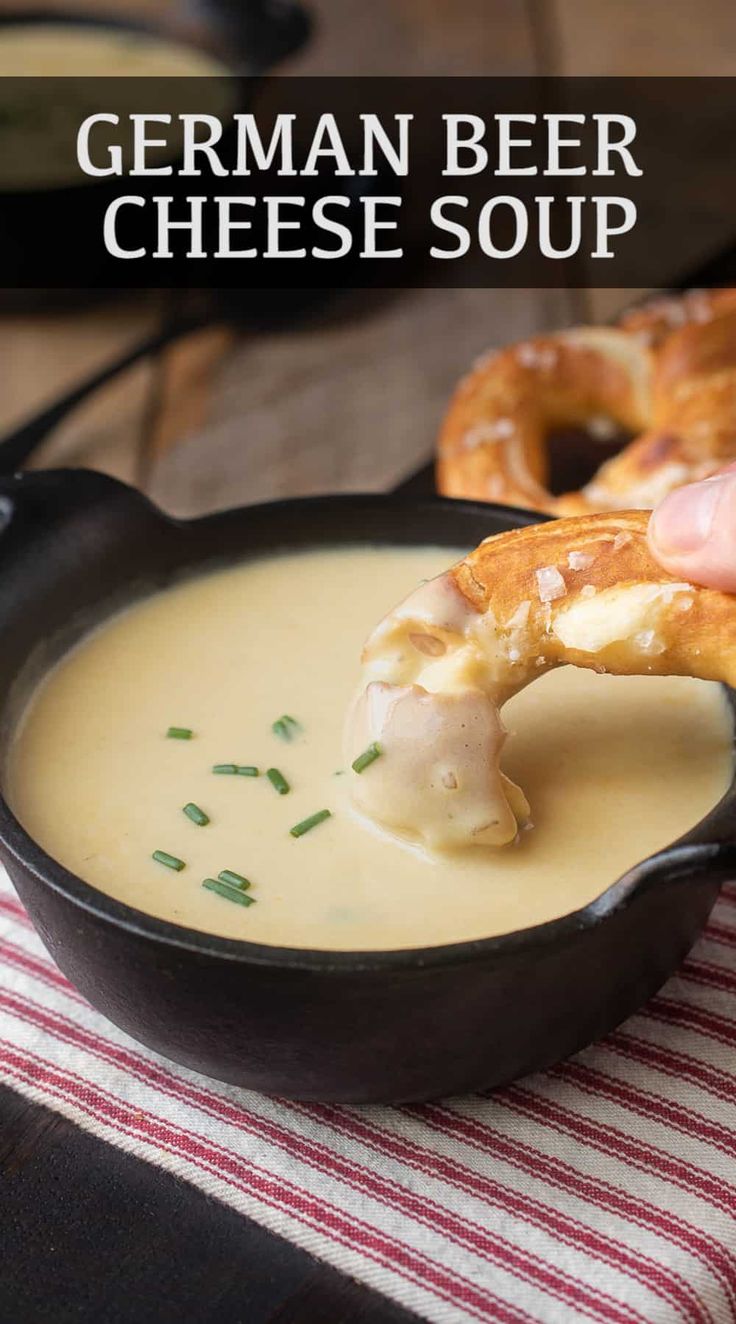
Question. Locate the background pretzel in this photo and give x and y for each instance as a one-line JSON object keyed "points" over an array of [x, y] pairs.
{"points": [[667, 373], [585, 591]]}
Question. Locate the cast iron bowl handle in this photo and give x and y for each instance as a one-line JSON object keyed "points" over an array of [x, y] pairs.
{"points": [[84, 533], [709, 849], [50, 496], [53, 514]]}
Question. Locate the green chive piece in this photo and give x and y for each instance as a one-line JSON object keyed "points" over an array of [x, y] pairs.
{"points": [[307, 824], [229, 769], [179, 733], [246, 770], [234, 879], [196, 814], [368, 756], [286, 727], [228, 892], [171, 861], [278, 781]]}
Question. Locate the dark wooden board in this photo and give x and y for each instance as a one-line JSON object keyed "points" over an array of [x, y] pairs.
{"points": [[91, 1235]]}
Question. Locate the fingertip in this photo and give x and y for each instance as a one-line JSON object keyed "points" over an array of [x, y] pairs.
{"points": [[692, 533]]}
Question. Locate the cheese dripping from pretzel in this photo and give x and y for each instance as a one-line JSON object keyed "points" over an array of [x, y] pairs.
{"points": [[436, 671]]}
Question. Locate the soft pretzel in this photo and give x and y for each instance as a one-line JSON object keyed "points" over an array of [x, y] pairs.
{"points": [[582, 590], [667, 374], [653, 321]]}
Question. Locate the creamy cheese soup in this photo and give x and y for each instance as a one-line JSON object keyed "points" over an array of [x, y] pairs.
{"points": [[40, 116], [614, 768], [62, 50]]}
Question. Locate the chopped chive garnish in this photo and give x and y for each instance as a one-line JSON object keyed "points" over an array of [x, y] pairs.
{"points": [[278, 781], [179, 733], [286, 727], [171, 861], [229, 769], [307, 824], [196, 814], [234, 879], [368, 756], [235, 769], [246, 770], [228, 892]]}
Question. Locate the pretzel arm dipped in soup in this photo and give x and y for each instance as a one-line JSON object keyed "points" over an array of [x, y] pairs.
{"points": [[583, 591]]}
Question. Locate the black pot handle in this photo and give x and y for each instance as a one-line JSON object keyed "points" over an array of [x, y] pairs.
{"points": [[259, 33], [45, 500], [17, 446]]}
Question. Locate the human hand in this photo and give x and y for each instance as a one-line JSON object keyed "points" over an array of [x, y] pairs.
{"points": [[692, 533]]}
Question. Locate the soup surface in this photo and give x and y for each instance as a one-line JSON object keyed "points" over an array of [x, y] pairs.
{"points": [[48, 87], [62, 50], [614, 768]]}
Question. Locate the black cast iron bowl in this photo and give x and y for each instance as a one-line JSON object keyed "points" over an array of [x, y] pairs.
{"points": [[349, 1026]]}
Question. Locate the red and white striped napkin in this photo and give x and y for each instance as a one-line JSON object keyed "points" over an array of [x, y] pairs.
{"points": [[603, 1190]]}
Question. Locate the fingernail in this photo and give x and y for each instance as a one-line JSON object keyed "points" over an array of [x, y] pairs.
{"points": [[684, 521]]}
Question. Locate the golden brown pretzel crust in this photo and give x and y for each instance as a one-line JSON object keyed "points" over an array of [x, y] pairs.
{"points": [[600, 567], [583, 590], [667, 374]]}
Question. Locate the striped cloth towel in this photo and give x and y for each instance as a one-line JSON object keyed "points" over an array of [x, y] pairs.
{"points": [[603, 1190]]}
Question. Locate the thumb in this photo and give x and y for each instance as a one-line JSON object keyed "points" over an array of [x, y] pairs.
{"points": [[692, 533]]}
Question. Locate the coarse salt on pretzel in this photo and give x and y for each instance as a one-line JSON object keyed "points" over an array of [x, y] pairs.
{"points": [[656, 319], [666, 374], [584, 591]]}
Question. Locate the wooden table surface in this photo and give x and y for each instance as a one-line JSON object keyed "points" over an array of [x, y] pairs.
{"points": [[349, 401]]}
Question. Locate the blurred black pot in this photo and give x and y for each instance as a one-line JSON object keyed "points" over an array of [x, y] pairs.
{"points": [[256, 34], [51, 249]]}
